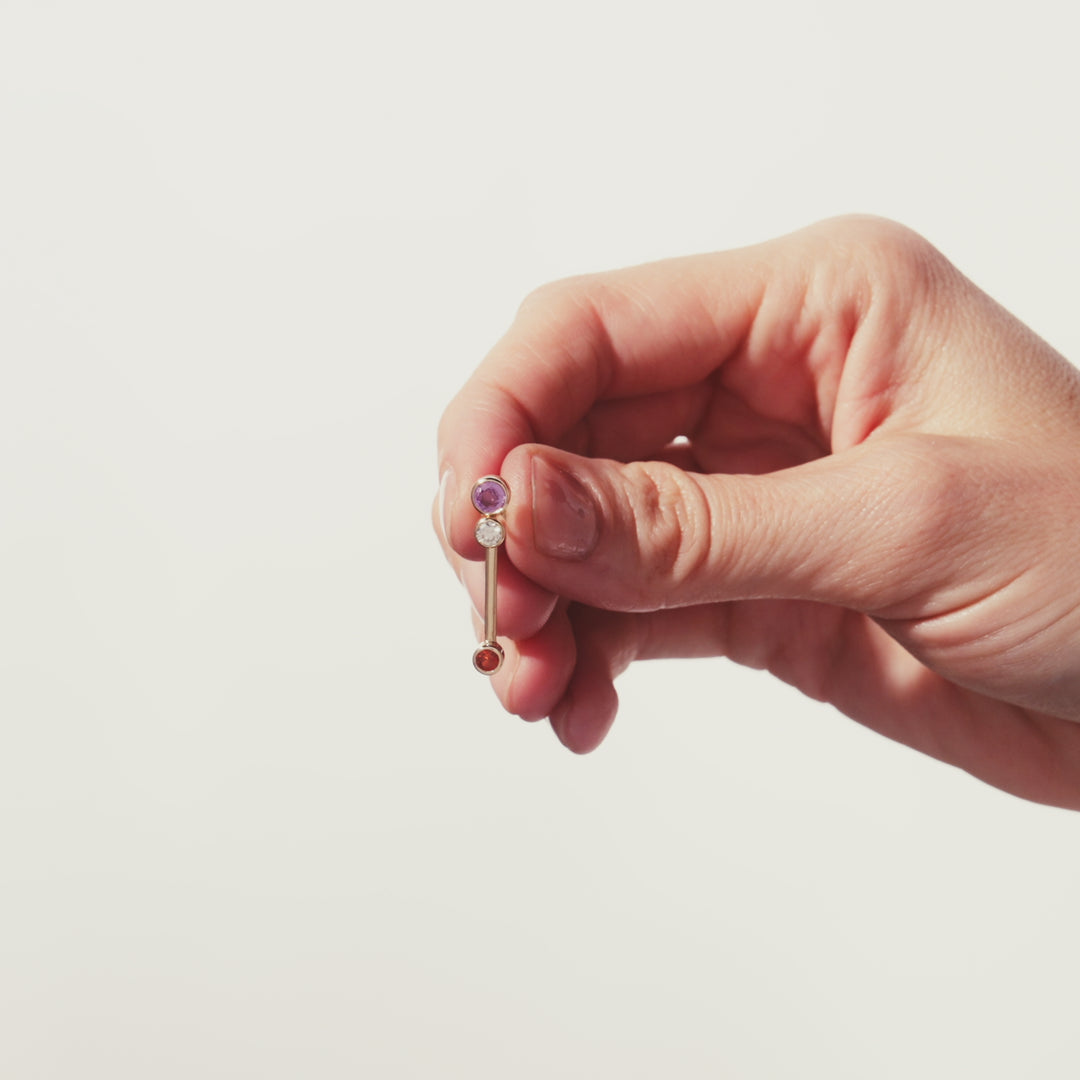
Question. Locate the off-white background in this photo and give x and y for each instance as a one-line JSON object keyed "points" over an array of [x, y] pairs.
{"points": [[258, 816]]}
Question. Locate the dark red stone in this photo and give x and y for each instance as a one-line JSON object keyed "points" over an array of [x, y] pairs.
{"points": [[487, 660]]}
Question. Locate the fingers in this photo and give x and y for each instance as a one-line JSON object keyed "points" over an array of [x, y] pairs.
{"points": [[810, 332], [745, 351], [833, 655], [574, 344], [647, 330]]}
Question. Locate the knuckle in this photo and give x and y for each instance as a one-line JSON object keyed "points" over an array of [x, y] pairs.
{"points": [[877, 236], [540, 298], [673, 528], [895, 278], [894, 252], [554, 298], [883, 250]]}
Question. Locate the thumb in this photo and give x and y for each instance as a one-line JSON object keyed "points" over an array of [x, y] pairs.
{"points": [[879, 528]]}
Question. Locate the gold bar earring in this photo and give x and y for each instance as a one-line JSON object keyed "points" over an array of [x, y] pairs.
{"points": [[490, 496]]}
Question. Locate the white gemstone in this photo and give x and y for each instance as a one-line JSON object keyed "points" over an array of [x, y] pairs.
{"points": [[490, 532]]}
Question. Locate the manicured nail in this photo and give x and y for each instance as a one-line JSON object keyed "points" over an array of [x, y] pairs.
{"points": [[566, 524], [447, 491]]}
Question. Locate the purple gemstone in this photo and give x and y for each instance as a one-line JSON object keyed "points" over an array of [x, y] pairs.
{"points": [[490, 495]]}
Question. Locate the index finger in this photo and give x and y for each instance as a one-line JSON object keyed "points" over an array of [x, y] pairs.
{"points": [[647, 329]]}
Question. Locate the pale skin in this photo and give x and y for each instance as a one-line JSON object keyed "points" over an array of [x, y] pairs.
{"points": [[830, 456]]}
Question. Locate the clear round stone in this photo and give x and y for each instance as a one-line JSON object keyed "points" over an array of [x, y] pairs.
{"points": [[490, 532]]}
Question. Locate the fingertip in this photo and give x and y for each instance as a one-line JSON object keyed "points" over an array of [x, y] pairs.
{"points": [[455, 522], [542, 669], [583, 718], [444, 501]]}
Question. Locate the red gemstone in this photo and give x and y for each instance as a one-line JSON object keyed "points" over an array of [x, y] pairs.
{"points": [[487, 659]]}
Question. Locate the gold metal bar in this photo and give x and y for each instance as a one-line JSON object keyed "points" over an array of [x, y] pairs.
{"points": [[491, 566]]}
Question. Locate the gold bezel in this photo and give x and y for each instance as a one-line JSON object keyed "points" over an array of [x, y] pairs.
{"points": [[488, 480], [488, 646]]}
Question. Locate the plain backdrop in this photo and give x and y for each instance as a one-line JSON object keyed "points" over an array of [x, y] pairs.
{"points": [[258, 816]]}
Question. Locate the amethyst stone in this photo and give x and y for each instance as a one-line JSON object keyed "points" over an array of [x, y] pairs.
{"points": [[490, 495]]}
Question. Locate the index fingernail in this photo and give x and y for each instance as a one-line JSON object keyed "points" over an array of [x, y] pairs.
{"points": [[447, 491]]}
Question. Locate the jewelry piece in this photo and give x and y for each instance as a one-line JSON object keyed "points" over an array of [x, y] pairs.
{"points": [[490, 495]]}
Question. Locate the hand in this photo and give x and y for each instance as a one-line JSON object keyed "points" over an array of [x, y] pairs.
{"points": [[830, 456]]}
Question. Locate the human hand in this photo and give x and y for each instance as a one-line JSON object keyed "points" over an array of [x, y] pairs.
{"points": [[830, 456]]}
